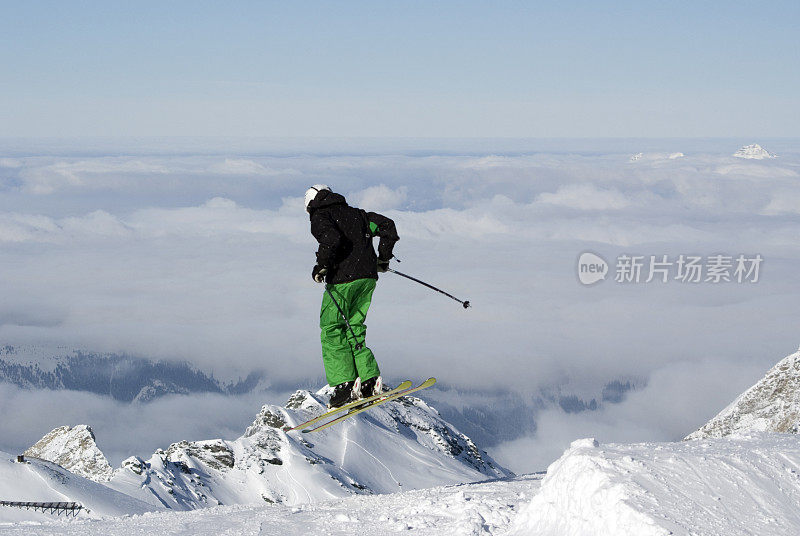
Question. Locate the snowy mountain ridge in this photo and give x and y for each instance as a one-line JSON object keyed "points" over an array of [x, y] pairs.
{"points": [[754, 152], [365, 455], [122, 377], [771, 405], [329, 482], [488, 416], [398, 446], [737, 486]]}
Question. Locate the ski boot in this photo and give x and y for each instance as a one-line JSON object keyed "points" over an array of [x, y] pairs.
{"points": [[342, 394], [370, 387]]}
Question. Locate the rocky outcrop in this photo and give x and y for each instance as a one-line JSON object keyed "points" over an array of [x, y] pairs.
{"points": [[73, 449], [771, 405]]}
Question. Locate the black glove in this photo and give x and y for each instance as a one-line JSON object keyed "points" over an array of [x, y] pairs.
{"points": [[383, 265], [318, 273]]}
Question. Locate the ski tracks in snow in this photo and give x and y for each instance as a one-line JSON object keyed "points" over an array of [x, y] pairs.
{"points": [[389, 471]]}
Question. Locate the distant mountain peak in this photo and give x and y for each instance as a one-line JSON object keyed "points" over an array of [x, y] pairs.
{"points": [[754, 151], [74, 449], [771, 405], [123, 377]]}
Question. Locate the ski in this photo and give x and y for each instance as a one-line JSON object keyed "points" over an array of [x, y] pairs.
{"points": [[369, 404], [402, 387]]}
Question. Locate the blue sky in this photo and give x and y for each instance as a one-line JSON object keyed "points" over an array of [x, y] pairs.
{"points": [[418, 69]]}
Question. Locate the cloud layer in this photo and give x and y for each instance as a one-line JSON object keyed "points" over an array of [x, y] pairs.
{"points": [[208, 258]]}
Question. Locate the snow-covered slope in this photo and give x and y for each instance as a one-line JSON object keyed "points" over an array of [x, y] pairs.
{"points": [[401, 445], [771, 405], [743, 485], [42, 481], [73, 449], [398, 446], [754, 151], [484, 508]]}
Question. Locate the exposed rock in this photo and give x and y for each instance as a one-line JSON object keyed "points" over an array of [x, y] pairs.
{"points": [[771, 405], [214, 453], [268, 417], [73, 449]]}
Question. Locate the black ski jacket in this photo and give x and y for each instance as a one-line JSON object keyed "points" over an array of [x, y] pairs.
{"points": [[345, 236]]}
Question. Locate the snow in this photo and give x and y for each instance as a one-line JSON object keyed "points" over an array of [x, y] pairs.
{"points": [[738, 485], [401, 445], [46, 358], [754, 151], [382, 473], [73, 449], [655, 157], [771, 405], [480, 508], [42, 481], [741, 485]]}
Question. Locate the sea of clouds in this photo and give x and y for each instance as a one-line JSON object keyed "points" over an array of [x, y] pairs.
{"points": [[200, 251]]}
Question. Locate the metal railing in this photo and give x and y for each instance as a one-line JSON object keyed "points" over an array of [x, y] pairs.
{"points": [[57, 508]]}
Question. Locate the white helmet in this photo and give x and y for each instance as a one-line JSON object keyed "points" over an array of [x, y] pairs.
{"points": [[312, 192]]}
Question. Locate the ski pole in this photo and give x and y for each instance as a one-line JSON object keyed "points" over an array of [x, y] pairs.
{"points": [[359, 345], [465, 303]]}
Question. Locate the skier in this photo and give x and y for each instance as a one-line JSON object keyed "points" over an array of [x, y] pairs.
{"points": [[347, 263]]}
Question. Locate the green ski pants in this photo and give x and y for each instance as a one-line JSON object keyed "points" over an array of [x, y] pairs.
{"points": [[342, 361]]}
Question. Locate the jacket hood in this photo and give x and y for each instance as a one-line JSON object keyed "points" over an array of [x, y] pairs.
{"points": [[326, 198]]}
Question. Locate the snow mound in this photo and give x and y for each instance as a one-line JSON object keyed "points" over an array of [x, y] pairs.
{"points": [[73, 449], [771, 405], [754, 151], [740, 485]]}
